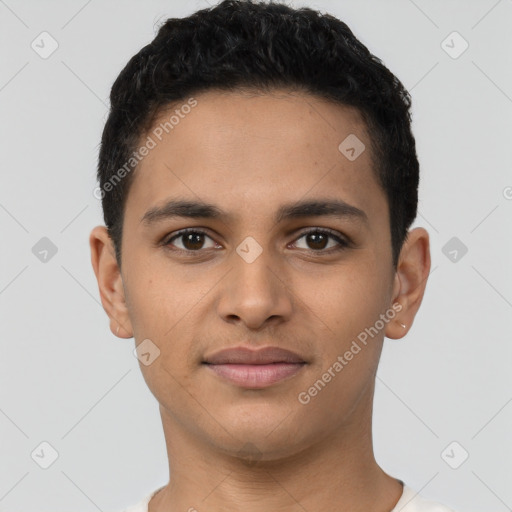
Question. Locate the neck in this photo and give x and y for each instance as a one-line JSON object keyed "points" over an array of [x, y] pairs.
{"points": [[337, 469]]}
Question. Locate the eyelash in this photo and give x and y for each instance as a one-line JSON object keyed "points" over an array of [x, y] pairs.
{"points": [[343, 244]]}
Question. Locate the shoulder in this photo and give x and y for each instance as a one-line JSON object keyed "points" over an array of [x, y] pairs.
{"points": [[142, 506], [412, 501]]}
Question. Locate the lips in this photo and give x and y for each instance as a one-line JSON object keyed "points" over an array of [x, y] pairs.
{"points": [[254, 369], [243, 355]]}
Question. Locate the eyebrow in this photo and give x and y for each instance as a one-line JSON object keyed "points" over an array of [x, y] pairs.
{"points": [[201, 210]]}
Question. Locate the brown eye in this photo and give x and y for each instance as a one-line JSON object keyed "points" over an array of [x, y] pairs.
{"points": [[191, 240], [318, 240]]}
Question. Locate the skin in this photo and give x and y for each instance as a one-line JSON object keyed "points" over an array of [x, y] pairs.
{"points": [[230, 448]]}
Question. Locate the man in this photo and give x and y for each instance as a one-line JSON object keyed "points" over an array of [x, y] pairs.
{"points": [[259, 177]]}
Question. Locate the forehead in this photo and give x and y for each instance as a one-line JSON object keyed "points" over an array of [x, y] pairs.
{"points": [[254, 151]]}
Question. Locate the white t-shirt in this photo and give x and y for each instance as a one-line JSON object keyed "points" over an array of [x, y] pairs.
{"points": [[410, 501]]}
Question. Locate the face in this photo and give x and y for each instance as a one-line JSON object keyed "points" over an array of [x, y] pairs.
{"points": [[259, 268]]}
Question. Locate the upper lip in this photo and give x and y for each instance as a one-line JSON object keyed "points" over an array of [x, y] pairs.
{"points": [[244, 355]]}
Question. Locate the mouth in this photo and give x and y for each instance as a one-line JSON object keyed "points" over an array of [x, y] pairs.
{"points": [[255, 369]]}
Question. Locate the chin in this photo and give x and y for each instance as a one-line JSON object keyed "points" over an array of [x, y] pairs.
{"points": [[270, 432]]}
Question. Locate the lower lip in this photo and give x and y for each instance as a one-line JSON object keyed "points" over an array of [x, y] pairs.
{"points": [[256, 376]]}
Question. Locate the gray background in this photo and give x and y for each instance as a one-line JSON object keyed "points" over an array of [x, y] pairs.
{"points": [[65, 379]]}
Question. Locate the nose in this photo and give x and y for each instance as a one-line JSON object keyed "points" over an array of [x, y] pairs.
{"points": [[255, 292]]}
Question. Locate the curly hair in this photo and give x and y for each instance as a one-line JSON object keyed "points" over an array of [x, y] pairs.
{"points": [[243, 44]]}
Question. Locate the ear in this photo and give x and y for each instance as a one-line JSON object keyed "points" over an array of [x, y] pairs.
{"points": [[411, 277], [110, 282]]}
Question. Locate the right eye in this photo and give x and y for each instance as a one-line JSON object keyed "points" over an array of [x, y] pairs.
{"points": [[192, 240]]}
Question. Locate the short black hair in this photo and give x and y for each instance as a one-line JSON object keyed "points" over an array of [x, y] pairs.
{"points": [[245, 44]]}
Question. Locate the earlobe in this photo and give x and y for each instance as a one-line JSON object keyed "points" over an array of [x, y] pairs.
{"points": [[410, 281], [110, 282]]}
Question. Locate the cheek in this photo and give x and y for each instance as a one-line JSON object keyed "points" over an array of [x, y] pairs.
{"points": [[141, 301], [348, 299], [163, 307], [159, 309], [347, 304], [155, 302]]}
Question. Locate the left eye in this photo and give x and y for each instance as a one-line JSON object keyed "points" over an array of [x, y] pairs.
{"points": [[318, 239]]}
